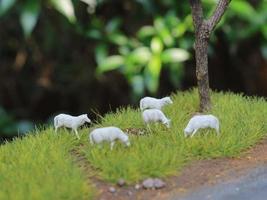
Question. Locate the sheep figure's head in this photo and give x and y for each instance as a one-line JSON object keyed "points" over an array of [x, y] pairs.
{"points": [[86, 119], [126, 140], [167, 100], [187, 131], [167, 123]]}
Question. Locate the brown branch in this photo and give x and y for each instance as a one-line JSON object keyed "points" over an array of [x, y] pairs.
{"points": [[197, 13], [217, 14]]}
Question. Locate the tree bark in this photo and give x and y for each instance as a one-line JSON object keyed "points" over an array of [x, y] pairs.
{"points": [[203, 29], [201, 48]]}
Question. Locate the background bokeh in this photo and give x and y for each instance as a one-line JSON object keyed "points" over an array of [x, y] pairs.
{"points": [[92, 56]]}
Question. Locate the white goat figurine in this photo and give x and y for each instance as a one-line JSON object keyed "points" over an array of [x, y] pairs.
{"points": [[109, 134], [73, 122], [201, 121], [150, 102], [155, 115]]}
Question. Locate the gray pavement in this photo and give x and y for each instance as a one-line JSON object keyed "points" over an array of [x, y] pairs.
{"points": [[252, 186]]}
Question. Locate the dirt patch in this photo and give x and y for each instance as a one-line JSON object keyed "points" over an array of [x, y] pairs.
{"points": [[197, 173], [135, 131]]}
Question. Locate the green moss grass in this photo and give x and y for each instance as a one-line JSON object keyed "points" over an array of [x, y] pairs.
{"points": [[40, 166], [162, 152]]}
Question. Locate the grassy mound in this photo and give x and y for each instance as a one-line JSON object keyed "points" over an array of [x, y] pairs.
{"points": [[163, 152], [40, 166]]}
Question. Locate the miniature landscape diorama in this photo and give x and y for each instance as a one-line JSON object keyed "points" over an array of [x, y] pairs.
{"points": [[67, 167], [145, 148]]}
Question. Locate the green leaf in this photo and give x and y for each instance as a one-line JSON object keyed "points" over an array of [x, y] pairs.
{"points": [[179, 30], [94, 34], [113, 25], [243, 9], [101, 52], [171, 19], [110, 63], [65, 7], [152, 74], [146, 31], [156, 45], [148, 6], [5, 5], [163, 32], [174, 55], [124, 50], [97, 23], [188, 21], [133, 43], [186, 42], [118, 38], [29, 16], [209, 2], [140, 56]]}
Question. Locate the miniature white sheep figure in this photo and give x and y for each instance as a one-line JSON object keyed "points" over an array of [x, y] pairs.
{"points": [[201, 121], [155, 115], [109, 134], [150, 103], [73, 122]]}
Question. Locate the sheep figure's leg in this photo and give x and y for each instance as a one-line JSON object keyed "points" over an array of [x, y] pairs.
{"points": [[57, 127], [76, 132], [194, 132], [55, 124], [149, 129], [112, 144], [91, 140], [217, 131]]}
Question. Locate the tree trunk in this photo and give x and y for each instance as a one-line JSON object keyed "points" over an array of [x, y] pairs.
{"points": [[202, 74], [203, 29]]}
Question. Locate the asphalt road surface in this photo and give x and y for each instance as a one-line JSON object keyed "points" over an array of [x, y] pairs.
{"points": [[252, 186]]}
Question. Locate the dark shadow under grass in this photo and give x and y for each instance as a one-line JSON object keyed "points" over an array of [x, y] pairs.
{"points": [[164, 151]]}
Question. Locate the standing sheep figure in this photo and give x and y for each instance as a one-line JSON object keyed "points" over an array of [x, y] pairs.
{"points": [[201, 121], [155, 115], [73, 122], [150, 103], [109, 134]]}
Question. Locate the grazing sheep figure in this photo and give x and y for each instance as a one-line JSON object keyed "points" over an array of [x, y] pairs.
{"points": [[150, 103], [109, 134], [73, 122], [201, 121], [155, 115]]}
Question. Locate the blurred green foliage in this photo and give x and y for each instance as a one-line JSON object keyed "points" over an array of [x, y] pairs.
{"points": [[138, 38], [142, 56], [165, 41]]}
